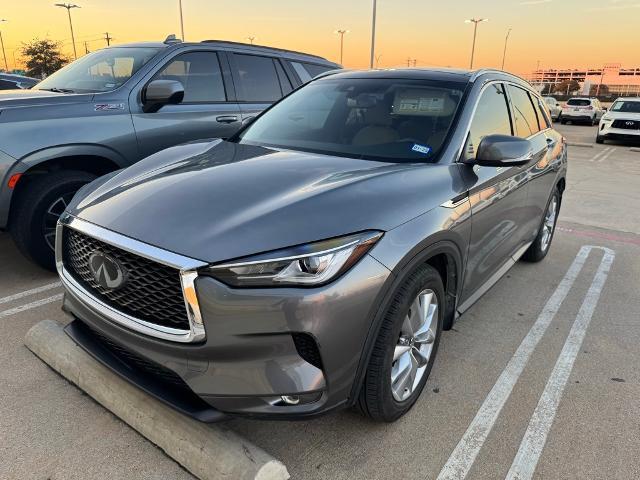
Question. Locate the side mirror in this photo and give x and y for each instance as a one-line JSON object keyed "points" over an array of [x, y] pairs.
{"points": [[503, 151], [161, 92]]}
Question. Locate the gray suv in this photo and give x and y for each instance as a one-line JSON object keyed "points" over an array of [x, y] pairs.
{"points": [[116, 106], [312, 260]]}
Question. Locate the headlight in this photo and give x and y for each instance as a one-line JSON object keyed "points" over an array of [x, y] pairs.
{"points": [[606, 119], [305, 265]]}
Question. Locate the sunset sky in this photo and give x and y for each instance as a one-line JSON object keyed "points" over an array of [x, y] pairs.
{"points": [[558, 33]]}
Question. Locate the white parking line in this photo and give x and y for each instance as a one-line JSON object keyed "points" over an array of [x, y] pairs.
{"points": [[607, 155], [26, 293], [526, 460], [601, 153], [465, 453], [29, 306]]}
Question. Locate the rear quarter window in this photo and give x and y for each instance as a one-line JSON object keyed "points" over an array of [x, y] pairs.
{"points": [[579, 102]]}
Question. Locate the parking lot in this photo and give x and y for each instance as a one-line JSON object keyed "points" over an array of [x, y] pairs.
{"points": [[495, 398]]}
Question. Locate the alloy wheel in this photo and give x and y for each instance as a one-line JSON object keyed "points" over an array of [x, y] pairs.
{"points": [[415, 345], [51, 216], [549, 224]]}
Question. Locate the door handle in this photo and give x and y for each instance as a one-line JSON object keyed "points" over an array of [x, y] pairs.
{"points": [[226, 119]]}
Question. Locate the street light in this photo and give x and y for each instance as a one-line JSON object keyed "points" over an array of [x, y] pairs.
{"points": [[475, 22], [2, 20], [504, 54], [373, 35], [69, 6], [181, 20], [341, 33]]}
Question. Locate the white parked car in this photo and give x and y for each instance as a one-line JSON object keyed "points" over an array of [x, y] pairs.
{"points": [[582, 109], [554, 108], [622, 121]]}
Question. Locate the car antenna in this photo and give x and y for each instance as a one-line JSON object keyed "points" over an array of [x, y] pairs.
{"points": [[171, 39]]}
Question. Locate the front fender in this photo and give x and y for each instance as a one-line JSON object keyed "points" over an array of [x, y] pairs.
{"points": [[440, 231], [8, 167], [74, 150]]}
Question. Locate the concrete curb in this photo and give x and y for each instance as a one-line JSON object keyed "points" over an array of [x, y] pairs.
{"points": [[635, 149], [208, 452], [580, 144]]}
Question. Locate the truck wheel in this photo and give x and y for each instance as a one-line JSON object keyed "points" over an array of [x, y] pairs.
{"points": [[406, 347], [37, 209]]}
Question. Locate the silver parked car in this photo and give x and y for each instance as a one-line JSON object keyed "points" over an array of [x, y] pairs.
{"points": [[554, 108], [311, 261]]}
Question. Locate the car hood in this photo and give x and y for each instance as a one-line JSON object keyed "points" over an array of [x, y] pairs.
{"points": [[220, 200], [13, 98], [621, 115]]}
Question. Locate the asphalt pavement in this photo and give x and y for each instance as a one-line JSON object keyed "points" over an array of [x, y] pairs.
{"points": [[539, 379]]}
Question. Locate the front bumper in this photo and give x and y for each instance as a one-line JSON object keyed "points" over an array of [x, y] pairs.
{"points": [[250, 356], [605, 130], [578, 116]]}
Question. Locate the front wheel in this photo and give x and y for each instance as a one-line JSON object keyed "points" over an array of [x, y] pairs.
{"points": [[36, 212], [540, 246], [406, 347]]}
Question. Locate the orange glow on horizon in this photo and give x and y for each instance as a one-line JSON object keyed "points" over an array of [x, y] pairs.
{"points": [[557, 33]]}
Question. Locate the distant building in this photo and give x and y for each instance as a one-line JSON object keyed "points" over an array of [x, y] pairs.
{"points": [[620, 81]]}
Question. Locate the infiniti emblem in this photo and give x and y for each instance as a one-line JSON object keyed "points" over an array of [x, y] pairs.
{"points": [[629, 123], [107, 271]]}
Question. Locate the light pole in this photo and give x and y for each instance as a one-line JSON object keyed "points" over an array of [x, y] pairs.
{"points": [[342, 34], [69, 6], [2, 42], [475, 22], [181, 20], [504, 53], [373, 35]]}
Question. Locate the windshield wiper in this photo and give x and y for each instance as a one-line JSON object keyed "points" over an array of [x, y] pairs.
{"points": [[58, 90]]}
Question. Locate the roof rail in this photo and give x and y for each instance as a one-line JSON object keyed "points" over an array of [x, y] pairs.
{"points": [[241, 44], [482, 71]]}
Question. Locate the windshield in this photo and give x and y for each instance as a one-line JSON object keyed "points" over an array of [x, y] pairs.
{"points": [[383, 119], [101, 71], [550, 100], [579, 102], [626, 106]]}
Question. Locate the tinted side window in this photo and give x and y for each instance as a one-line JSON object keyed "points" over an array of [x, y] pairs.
{"points": [[542, 111], [284, 80], [7, 85], [200, 75], [526, 120], [491, 117], [258, 78], [304, 75], [315, 70]]}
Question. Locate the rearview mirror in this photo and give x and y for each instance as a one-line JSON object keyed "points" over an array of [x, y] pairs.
{"points": [[503, 151], [162, 92]]}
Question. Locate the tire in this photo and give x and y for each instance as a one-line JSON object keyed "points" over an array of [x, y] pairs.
{"points": [[49, 192], [599, 139], [377, 400], [563, 121], [540, 246]]}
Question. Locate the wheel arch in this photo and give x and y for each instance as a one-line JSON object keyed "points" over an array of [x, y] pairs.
{"points": [[442, 254], [94, 159]]}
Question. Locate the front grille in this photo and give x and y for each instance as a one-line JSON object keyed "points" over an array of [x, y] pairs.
{"points": [[152, 291], [626, 124], [307, 348]]}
